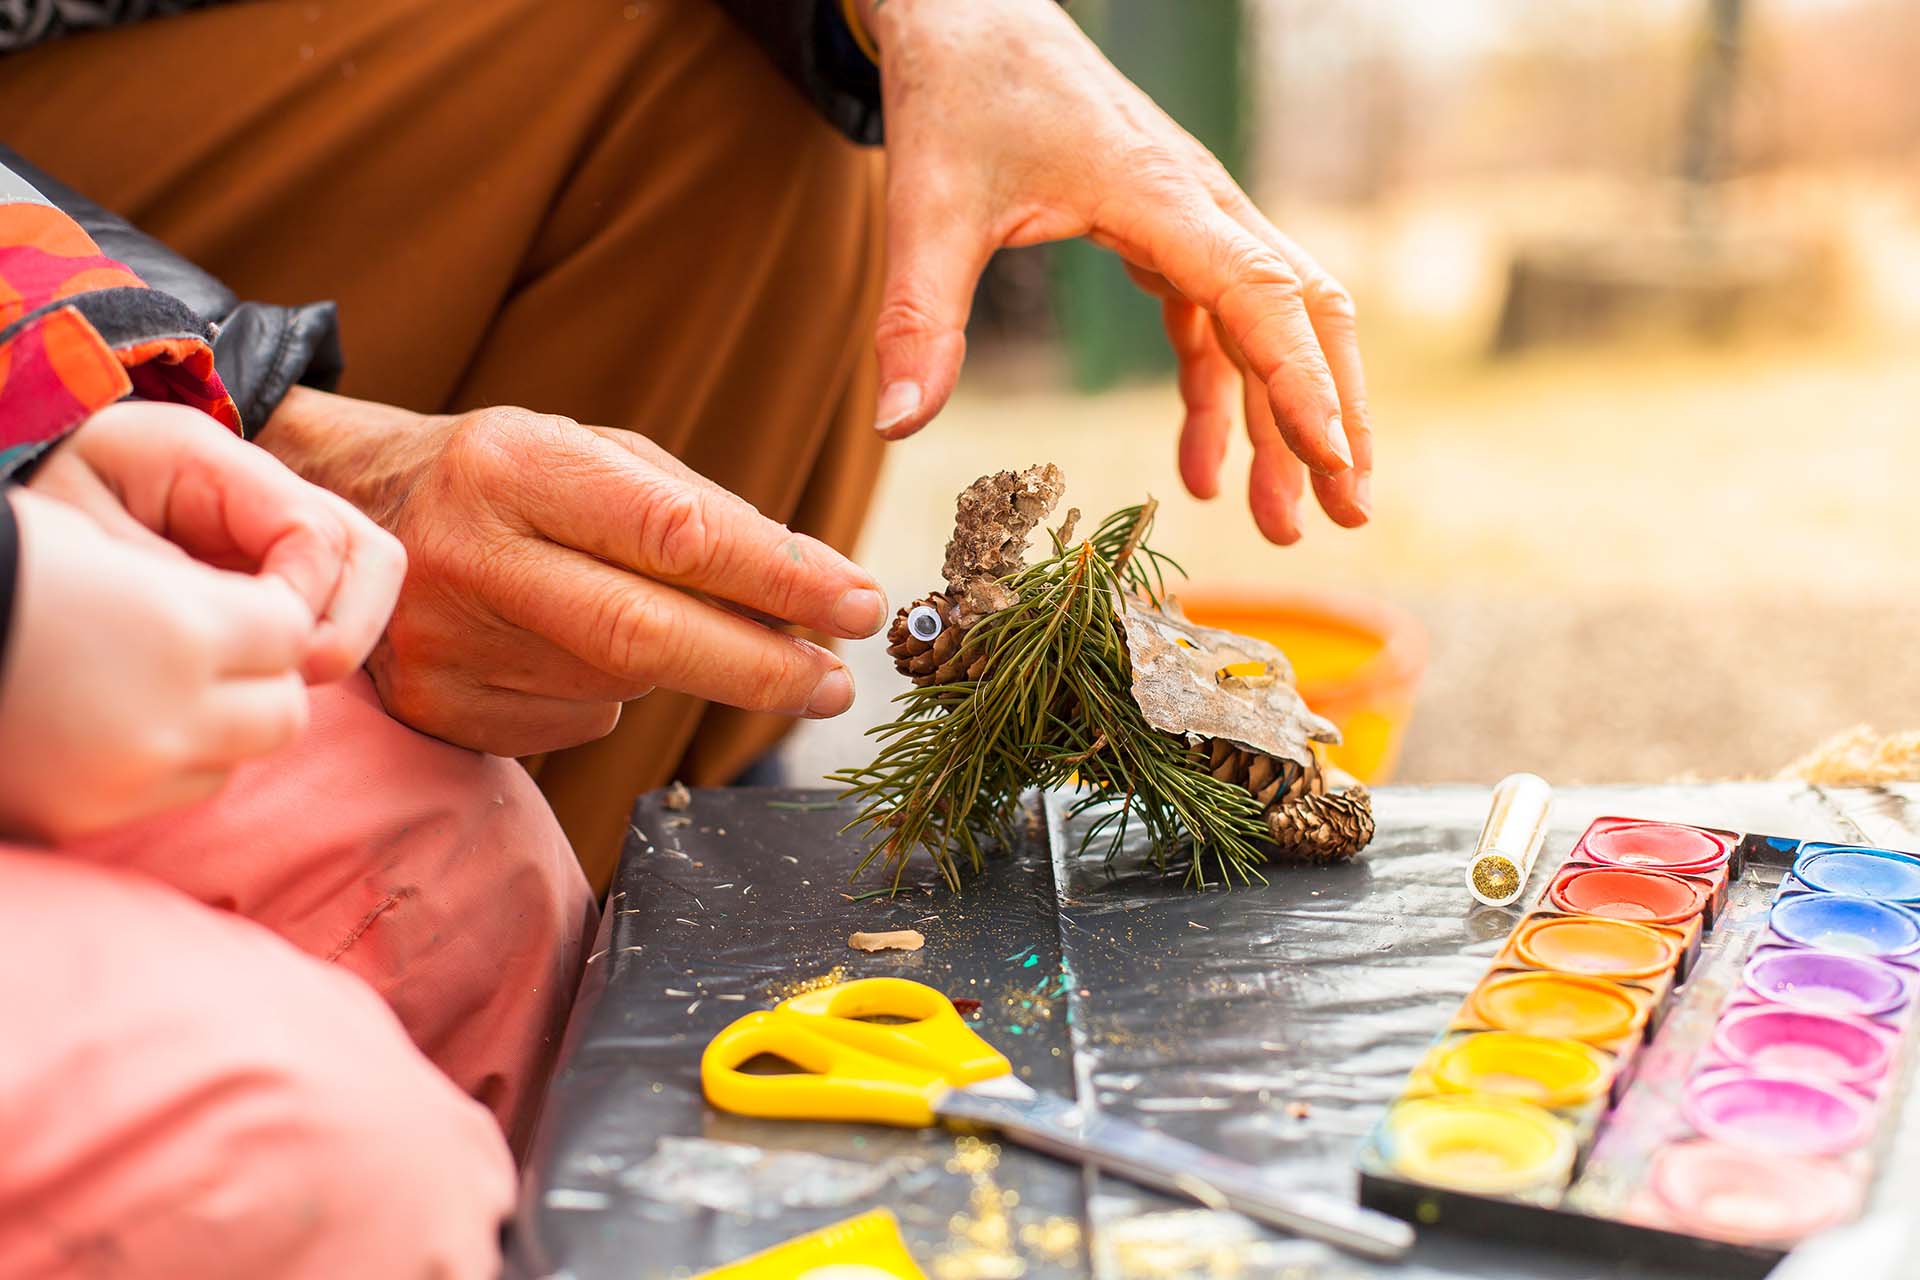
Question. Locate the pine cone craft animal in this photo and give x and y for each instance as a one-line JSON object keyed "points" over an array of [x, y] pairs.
{"points": [[1231, 698]]}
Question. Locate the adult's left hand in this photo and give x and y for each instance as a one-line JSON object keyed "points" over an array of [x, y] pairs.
{"points": [[1006, 126]]}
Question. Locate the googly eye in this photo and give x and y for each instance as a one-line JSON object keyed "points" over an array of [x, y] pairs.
{"points": [[924, 623]]}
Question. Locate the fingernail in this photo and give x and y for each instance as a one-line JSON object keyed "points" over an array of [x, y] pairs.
{"points": [[1337, 440], [1363, 493], [832, 695], [898, 402], [860, 612]]}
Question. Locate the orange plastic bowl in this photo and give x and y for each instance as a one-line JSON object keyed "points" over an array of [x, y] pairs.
{"points": [[1359, 660]]}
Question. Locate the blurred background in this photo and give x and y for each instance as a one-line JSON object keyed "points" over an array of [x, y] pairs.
{"points": [[1639, 286]]}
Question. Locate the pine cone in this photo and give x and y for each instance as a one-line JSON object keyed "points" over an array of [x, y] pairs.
{"points": [[1322, 828], [935, 661], [1270, 780]]}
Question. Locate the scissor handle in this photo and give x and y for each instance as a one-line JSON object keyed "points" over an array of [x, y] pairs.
{"points": [[933, 1036], [835, 1081]]}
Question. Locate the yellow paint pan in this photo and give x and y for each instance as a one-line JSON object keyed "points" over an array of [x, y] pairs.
{"points": [[1597, 947], [1471, 1142], [1556, 1005], [1538, 1069]]}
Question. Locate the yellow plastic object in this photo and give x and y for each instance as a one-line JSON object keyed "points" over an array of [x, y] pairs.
{"points": [[1358, 661], [1537, 1069], [868, 1247], [1471, 1142], [847, 1068], [933, 1035]]}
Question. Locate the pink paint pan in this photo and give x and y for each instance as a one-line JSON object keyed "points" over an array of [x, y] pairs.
{"points": [[1657, 846], [1776, 1115], [1723, 1191], [1795, 1044]]}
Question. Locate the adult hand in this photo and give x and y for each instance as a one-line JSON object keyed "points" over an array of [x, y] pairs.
{"points": [[1006, 126], [173, 480], [135, 678], [557, 571]]}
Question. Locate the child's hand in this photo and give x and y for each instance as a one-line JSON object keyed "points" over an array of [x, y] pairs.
{"points": [[135, 678], [164, 476]]}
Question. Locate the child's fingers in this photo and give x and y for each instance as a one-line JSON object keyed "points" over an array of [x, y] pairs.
{"points": [[223, 501], [259, 626], [370, 578], [232, 505], [251, 717]]}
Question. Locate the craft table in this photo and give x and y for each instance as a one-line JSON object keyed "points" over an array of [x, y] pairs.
{"points": [[1270, 1022]]}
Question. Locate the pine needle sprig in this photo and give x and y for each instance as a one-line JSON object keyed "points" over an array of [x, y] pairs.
{"points": [[1053, 708]]}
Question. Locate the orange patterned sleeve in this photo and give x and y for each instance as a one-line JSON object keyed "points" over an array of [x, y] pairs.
{"points": [[79, 331]]}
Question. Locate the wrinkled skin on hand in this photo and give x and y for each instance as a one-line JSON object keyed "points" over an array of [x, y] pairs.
{"points": [[558, 570], [1006, 126]]}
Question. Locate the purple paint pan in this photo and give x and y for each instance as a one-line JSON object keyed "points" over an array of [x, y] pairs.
{"points": [[1795, 1044], [1824, 983], [1776, 1114]]}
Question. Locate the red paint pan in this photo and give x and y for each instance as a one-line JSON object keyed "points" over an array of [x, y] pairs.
{"points": [[1621, 893]]}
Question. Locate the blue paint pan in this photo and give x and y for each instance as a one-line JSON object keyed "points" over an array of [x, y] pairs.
{"points": [[1859, 873], [1850, 926]]}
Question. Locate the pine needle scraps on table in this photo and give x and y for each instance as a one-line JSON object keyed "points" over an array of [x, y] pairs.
{"points": [[1053, 707]]}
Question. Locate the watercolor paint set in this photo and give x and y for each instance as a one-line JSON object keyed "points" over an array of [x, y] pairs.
{"points": [[1683, 1053]]}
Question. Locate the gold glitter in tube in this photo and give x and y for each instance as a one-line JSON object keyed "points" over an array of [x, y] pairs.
{"points": [[1503, 857], [1495, 878]]}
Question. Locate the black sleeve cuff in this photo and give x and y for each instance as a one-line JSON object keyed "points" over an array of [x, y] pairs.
{"points": [[260, 350], [9, 571], [809, 42]]}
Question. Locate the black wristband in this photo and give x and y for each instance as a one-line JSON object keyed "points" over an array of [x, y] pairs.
{"points": [[9, 569]]}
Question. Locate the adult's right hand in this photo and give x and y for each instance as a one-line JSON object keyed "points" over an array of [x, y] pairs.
{"points": [[557, 570]]}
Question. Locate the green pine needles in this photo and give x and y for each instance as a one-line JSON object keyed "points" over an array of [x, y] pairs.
{"points": [[1053, 708]]}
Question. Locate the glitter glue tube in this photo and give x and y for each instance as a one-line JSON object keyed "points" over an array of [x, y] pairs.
{"points": [[1516, 824]]}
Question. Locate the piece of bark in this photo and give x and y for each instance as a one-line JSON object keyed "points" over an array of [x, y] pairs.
{"points": [[892, 940], [1179, 684]]}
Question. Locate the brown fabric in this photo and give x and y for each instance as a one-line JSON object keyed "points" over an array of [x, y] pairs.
{"points": [[616, 212]]}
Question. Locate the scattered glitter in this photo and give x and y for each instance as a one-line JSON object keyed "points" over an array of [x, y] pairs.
{"points": [[984, 1242], [831, 978]]}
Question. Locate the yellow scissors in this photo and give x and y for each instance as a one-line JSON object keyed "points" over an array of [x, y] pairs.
{"points": [[924, 1064]]}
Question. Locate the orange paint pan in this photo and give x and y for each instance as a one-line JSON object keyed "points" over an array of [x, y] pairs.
{"points": [[1596, 947]]}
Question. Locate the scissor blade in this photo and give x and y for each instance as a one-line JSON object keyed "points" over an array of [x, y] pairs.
{"points": [[1061, 1128]]}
